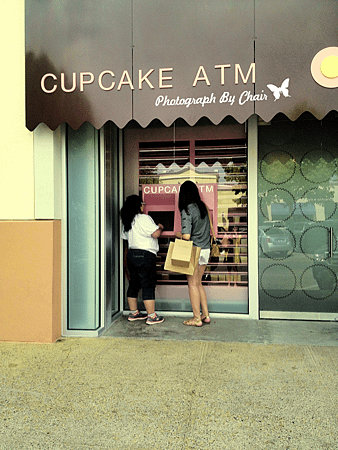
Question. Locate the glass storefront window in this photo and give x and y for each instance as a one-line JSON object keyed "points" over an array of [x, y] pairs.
{"points": [[219, 168], [298, 228], [83, 228]]}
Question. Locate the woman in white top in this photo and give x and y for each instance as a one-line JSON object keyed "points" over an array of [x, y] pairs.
{"points": [[141, 233]]}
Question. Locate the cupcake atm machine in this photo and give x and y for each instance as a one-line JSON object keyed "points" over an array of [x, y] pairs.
{"points": [[161, 203]]}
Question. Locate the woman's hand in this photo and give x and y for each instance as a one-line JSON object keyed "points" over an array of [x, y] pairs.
{"points": [[179, 235]]}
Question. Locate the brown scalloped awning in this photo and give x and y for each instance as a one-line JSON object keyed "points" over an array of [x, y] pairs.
{"points": [[121, 61]]}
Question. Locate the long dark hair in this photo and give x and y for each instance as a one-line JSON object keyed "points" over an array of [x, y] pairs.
{"points": [[189, 193], [130, 208]]}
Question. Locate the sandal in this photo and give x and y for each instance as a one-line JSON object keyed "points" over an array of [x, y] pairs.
{"points": [[206, 320], [193, 322]]}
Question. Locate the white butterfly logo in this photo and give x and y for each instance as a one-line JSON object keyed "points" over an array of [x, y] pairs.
{"points": [[277, 91]]}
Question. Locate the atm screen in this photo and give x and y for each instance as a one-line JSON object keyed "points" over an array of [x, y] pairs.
{"points": [[166, 218]]}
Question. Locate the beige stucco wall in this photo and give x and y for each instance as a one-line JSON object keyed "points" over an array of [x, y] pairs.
{"points": [[30, 189], [16, 144]]}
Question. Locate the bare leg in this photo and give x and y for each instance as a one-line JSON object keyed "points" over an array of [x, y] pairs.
{"points": [[132, 302], [197, 293], [203, 295], [150, 306], [194, 293]]}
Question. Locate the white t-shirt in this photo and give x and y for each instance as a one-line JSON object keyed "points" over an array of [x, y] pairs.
{"points": [[139, 236]]}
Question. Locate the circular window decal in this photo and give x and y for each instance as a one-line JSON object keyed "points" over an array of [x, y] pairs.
{"points": [[318, 282], [277, 205], [276, 242], [314, 243], [278, 281], [318, 166], [324, 67], [277, 167], [318, 205]]}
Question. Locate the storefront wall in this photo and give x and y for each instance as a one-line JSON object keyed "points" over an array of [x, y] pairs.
{"points": [[30, 227], [31, 173], [16, 168]]}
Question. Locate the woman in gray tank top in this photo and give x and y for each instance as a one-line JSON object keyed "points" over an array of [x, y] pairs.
{"points": [[195, 227]]}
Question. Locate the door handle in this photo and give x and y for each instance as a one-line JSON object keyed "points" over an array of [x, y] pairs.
{"points": [[331, 242]]}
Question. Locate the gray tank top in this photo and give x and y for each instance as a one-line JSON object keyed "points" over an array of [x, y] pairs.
{"points": [[199, 229]]}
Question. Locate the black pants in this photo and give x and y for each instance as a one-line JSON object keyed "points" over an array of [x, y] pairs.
{"points": [[142, 270]]}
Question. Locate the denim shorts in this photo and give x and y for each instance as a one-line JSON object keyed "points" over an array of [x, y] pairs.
{"points": [[204, 257], [142, 270]]}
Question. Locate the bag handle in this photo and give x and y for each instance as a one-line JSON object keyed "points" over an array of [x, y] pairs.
{"points": [[211, 226]]}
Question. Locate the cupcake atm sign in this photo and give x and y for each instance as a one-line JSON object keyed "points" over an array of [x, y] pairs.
{"points": [[161, 203], [134, 60]]}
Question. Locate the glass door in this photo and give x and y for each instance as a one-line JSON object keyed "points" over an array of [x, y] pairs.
{"points": [[111, 233], [298, 228], [216, 159], [92, 167]]}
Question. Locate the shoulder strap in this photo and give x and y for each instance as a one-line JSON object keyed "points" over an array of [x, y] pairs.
{"points": [[211, 226]]}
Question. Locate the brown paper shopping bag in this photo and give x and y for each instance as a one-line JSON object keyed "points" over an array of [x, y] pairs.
{"points": [[182, 252], [193, 262]]}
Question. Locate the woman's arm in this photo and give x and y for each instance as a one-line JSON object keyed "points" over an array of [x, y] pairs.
{"points": [[186, 223], [156, 234], [185, 236]]}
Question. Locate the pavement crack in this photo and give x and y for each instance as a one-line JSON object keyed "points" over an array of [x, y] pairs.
{"points": [[202, 358], [193, 390], [315, 362]]}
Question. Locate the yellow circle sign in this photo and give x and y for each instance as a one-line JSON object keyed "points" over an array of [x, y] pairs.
{"points": [[329, 67], [324, 67]]}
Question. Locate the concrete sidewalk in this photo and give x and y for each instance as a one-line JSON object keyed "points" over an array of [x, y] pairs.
{"points": [[164, 393]]}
